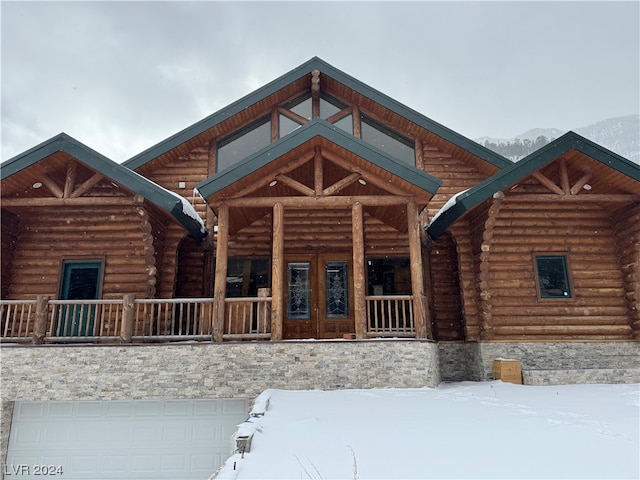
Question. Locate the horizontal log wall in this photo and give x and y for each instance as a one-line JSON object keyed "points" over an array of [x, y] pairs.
{"points": [[190, 169], [318, 231], [456, 175], [627, 221], [49, 235], [467, 271], [168, 261], [585, 234], [446, 313], [10, 229]]}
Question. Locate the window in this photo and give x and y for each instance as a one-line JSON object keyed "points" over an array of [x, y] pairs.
{"points": [[246, 275], [388, 141], [246, 142], [388, 276], [553, 277], [256, 136], [299, 295], [336, 290]]}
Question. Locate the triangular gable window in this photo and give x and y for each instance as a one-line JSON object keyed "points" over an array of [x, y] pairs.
{"points": [[300, 111]]}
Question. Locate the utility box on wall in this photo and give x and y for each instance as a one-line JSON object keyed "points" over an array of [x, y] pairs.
{"points": [[507, 370]]}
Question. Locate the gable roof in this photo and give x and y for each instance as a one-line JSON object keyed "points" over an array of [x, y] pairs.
{"points": [[303, 70], [178, 207], [467, 200], [318, 128]]}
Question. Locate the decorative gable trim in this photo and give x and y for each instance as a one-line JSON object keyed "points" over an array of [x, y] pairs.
{"points": [[302, 135], [178, 207], [465, 201]]}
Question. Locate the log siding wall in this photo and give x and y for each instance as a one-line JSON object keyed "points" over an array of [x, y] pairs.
{"points": [[627, 231], [110, 233], [456, 175], [585, 235], [10, 229]]}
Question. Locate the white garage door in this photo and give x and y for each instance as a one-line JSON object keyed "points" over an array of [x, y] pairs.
{"points": [[139, 439]]}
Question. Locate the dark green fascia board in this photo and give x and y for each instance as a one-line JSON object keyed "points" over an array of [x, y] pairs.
{"points": [[159, 196], [525, 167], [306, 68], [298, 137]]}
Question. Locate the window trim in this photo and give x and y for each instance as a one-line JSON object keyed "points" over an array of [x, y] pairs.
{"points": [[567, 272]]}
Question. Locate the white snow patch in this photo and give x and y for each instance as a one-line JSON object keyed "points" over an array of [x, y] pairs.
{"points": [[450, 203], [187, 208], [457, 430]]}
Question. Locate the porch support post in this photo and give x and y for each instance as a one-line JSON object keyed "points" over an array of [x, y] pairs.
{"points": [[359, 279], [417, 283], [277, 272], [220, 282]]}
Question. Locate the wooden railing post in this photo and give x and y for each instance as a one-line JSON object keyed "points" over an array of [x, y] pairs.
{"points": [[128, 314], [40, 325]]}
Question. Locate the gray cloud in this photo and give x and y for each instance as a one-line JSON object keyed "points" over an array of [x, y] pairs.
{"points": [[122, 76]]}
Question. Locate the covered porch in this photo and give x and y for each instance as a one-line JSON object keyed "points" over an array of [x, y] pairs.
{"points": [[316, 236]]}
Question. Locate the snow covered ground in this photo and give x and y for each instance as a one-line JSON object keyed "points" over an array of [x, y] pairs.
{"points": [[460, 430]]}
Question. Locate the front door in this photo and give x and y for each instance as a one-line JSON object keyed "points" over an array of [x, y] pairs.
{"points": [[319, 302], [80, 281]]}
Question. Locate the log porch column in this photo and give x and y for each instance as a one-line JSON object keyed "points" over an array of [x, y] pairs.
{"points": [[417, 283], [220, 283], [359, 273], [277, 272]]}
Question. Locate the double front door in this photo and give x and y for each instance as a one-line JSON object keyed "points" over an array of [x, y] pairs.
{"points": [[319, 298]]}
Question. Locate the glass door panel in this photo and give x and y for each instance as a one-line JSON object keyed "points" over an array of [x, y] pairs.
{"points": [[299, 294]]}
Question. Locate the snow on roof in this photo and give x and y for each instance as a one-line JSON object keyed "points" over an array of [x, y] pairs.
{"points": [[187, 208], [450, 203]]}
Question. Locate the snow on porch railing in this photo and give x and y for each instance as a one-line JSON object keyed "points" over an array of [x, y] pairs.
{"points": [[247, 318], [390, 316]]}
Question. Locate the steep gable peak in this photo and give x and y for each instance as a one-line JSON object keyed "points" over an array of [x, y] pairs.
{"points": [[321, 85]]}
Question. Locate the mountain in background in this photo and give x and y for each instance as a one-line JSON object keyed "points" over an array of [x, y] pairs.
{"points": [[620, 135]]}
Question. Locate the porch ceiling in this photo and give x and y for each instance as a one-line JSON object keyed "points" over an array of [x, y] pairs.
{"points": [[319, 167]]}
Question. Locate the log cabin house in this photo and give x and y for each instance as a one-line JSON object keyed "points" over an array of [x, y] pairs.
{"points": [[317, 207], [187, 280]]}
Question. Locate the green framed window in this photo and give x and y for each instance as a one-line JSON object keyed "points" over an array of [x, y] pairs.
{"points": [[553, 276]]}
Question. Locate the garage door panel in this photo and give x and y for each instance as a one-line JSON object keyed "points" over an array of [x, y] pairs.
{"points": [[174, 439]]}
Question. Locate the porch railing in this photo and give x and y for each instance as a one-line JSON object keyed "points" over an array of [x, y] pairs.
{"points": [[247, 318], [17, 318], [173, 319], [169, 320], [127, 319], [390, 316]]}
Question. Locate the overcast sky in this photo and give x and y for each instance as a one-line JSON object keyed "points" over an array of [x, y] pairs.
{"points": [[122, 76]]}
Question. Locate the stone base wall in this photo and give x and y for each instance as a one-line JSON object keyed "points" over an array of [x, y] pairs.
{"points": [[549, 363], [208, 370], [460, 362]]}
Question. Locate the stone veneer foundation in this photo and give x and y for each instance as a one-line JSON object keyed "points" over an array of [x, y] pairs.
{"points": [[245, 369]]}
